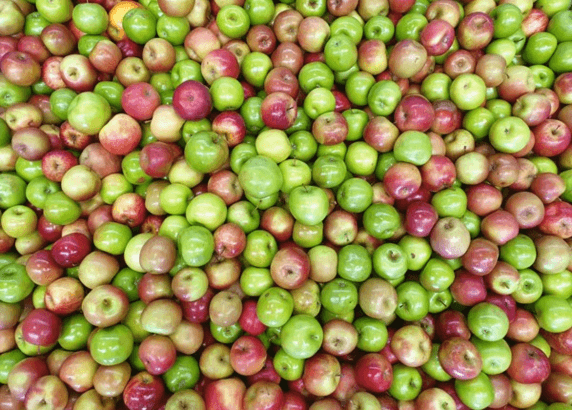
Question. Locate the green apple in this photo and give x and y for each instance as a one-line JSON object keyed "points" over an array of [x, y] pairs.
{"points": [[111, 345], [478, 122], [450, 202], [328, 171], [311, 8], [381, 220], [496, 355], [477, 393], [406, 384], [354, 263], [339, 296], [260, 248], [140, 25], [554, 314], [315, 74], [133, 321], [349, 26], [227, 94], [208, 210], [357, 87], [417, 251], [59, 11], [233, 21], [301, 336], [412, 301], [488, 322], [91, 18], [288, 367], [361, 158], [61, 209], [436, 86], [558, 284], [509, 134], [273, 144], [12, 190], [379, 27], [559, 24], [357, 120], [372, 334], [8, 360], [196, 245], [19, 221], [410, 26], [468, 91], [112, 237], [75, 332], [551, 7], [127, 280], [254, 281], [184, 374], [275, 307], [561, 60], [519, 252], [383, 97], [539, 48], [389, 261], [225, 334], [88, 112], [260, 177], [245, 215], [15, 284], [340, 53], [308, 204], [413, 147], [529, 288], [433, 366], [507, 19], [28, 170], [173, 29], [259, 11]]}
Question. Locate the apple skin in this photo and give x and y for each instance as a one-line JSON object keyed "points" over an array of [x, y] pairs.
{"points": [[558, 388], [460, 358], [48, 391], [411, 345], [143, 391], [120, 135], [561, 342], [247, 355], [279, 110], [263, 395], [450, 238], [406, 58], [77, 371], [529, 364], [290, 268], [64, 296], [374, 373], [41, 327], [224, 394], [139, 100], [321, 374], [192, 100], [24, 374]]}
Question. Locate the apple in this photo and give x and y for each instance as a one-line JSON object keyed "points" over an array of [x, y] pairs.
{"points": [[224, 394], [411, 345], [47, 391], [263, 395], [321, 374], [143, 390]]}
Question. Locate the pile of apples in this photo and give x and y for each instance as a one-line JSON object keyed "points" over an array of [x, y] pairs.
{"points": [[285, 205]]}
